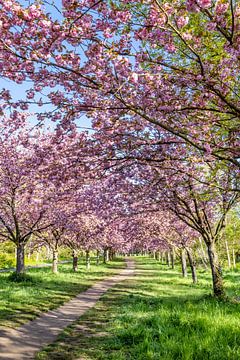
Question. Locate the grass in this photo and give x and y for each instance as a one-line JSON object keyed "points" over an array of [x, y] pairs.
{"points": [[155, 315], [23, 301]]}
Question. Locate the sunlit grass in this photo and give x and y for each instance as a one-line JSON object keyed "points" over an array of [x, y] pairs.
{"points": [[20, 302], [156, 315]]}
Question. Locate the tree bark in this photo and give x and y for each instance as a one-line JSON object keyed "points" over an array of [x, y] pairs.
{"points": [[87, 259], [228, 254], [162, 258], [105, 256], [111, 254], [203, 255], [192, 264], [75, 260], [48, 252], [20, 259], [168, 258], [173, 258], [98, 257], [217, 280], [183, 263], [55, 261], [234, 258]]}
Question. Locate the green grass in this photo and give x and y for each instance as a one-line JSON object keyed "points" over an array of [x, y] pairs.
{"points": [[155, 315], [20, 302]]}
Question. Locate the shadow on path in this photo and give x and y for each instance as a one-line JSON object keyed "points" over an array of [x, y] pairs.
{"points": [[24, 342]]}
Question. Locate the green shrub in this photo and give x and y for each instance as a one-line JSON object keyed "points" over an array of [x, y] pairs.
{"points": [[7, 260]]}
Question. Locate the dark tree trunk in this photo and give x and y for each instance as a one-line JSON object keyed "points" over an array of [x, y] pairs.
{"points": [[217, 280], [104, 256], [20, 259], [111, 255], [98, 257], [55, 261], [75, 260], [183, 263], [87, 259], [173, 258], [192, 263]]}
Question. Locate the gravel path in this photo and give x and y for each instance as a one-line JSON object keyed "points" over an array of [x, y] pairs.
{"points": [[24, 342]]}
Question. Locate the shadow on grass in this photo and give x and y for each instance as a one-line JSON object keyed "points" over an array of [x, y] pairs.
{"points": [[137, 321], [145, 327], [23, 301]]}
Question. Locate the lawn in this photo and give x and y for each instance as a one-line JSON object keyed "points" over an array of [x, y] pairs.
{"points": [[156, 315], [20, 302]]}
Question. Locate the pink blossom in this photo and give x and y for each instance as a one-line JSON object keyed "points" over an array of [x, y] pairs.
{"points": [[221, 8], [205, 3], [182, 21]]}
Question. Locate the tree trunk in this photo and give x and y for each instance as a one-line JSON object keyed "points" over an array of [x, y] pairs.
{"points": [[111, 255], [75, 260], [48, 252], [168, 258], [192, 264], [106, 256], [216, 270], [162, 258], [183, 263], [55, 261], [228, 254], [234, 258], [203, 255], [20, 259], [98, 257], [173, 258], [87, 259]]}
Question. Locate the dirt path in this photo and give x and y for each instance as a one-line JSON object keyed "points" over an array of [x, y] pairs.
{"points": [[24, 342]]}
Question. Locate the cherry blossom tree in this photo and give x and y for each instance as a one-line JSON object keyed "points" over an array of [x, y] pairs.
{"points": [[170, 67], [204, 209], [159, 81], [23, 198]]}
